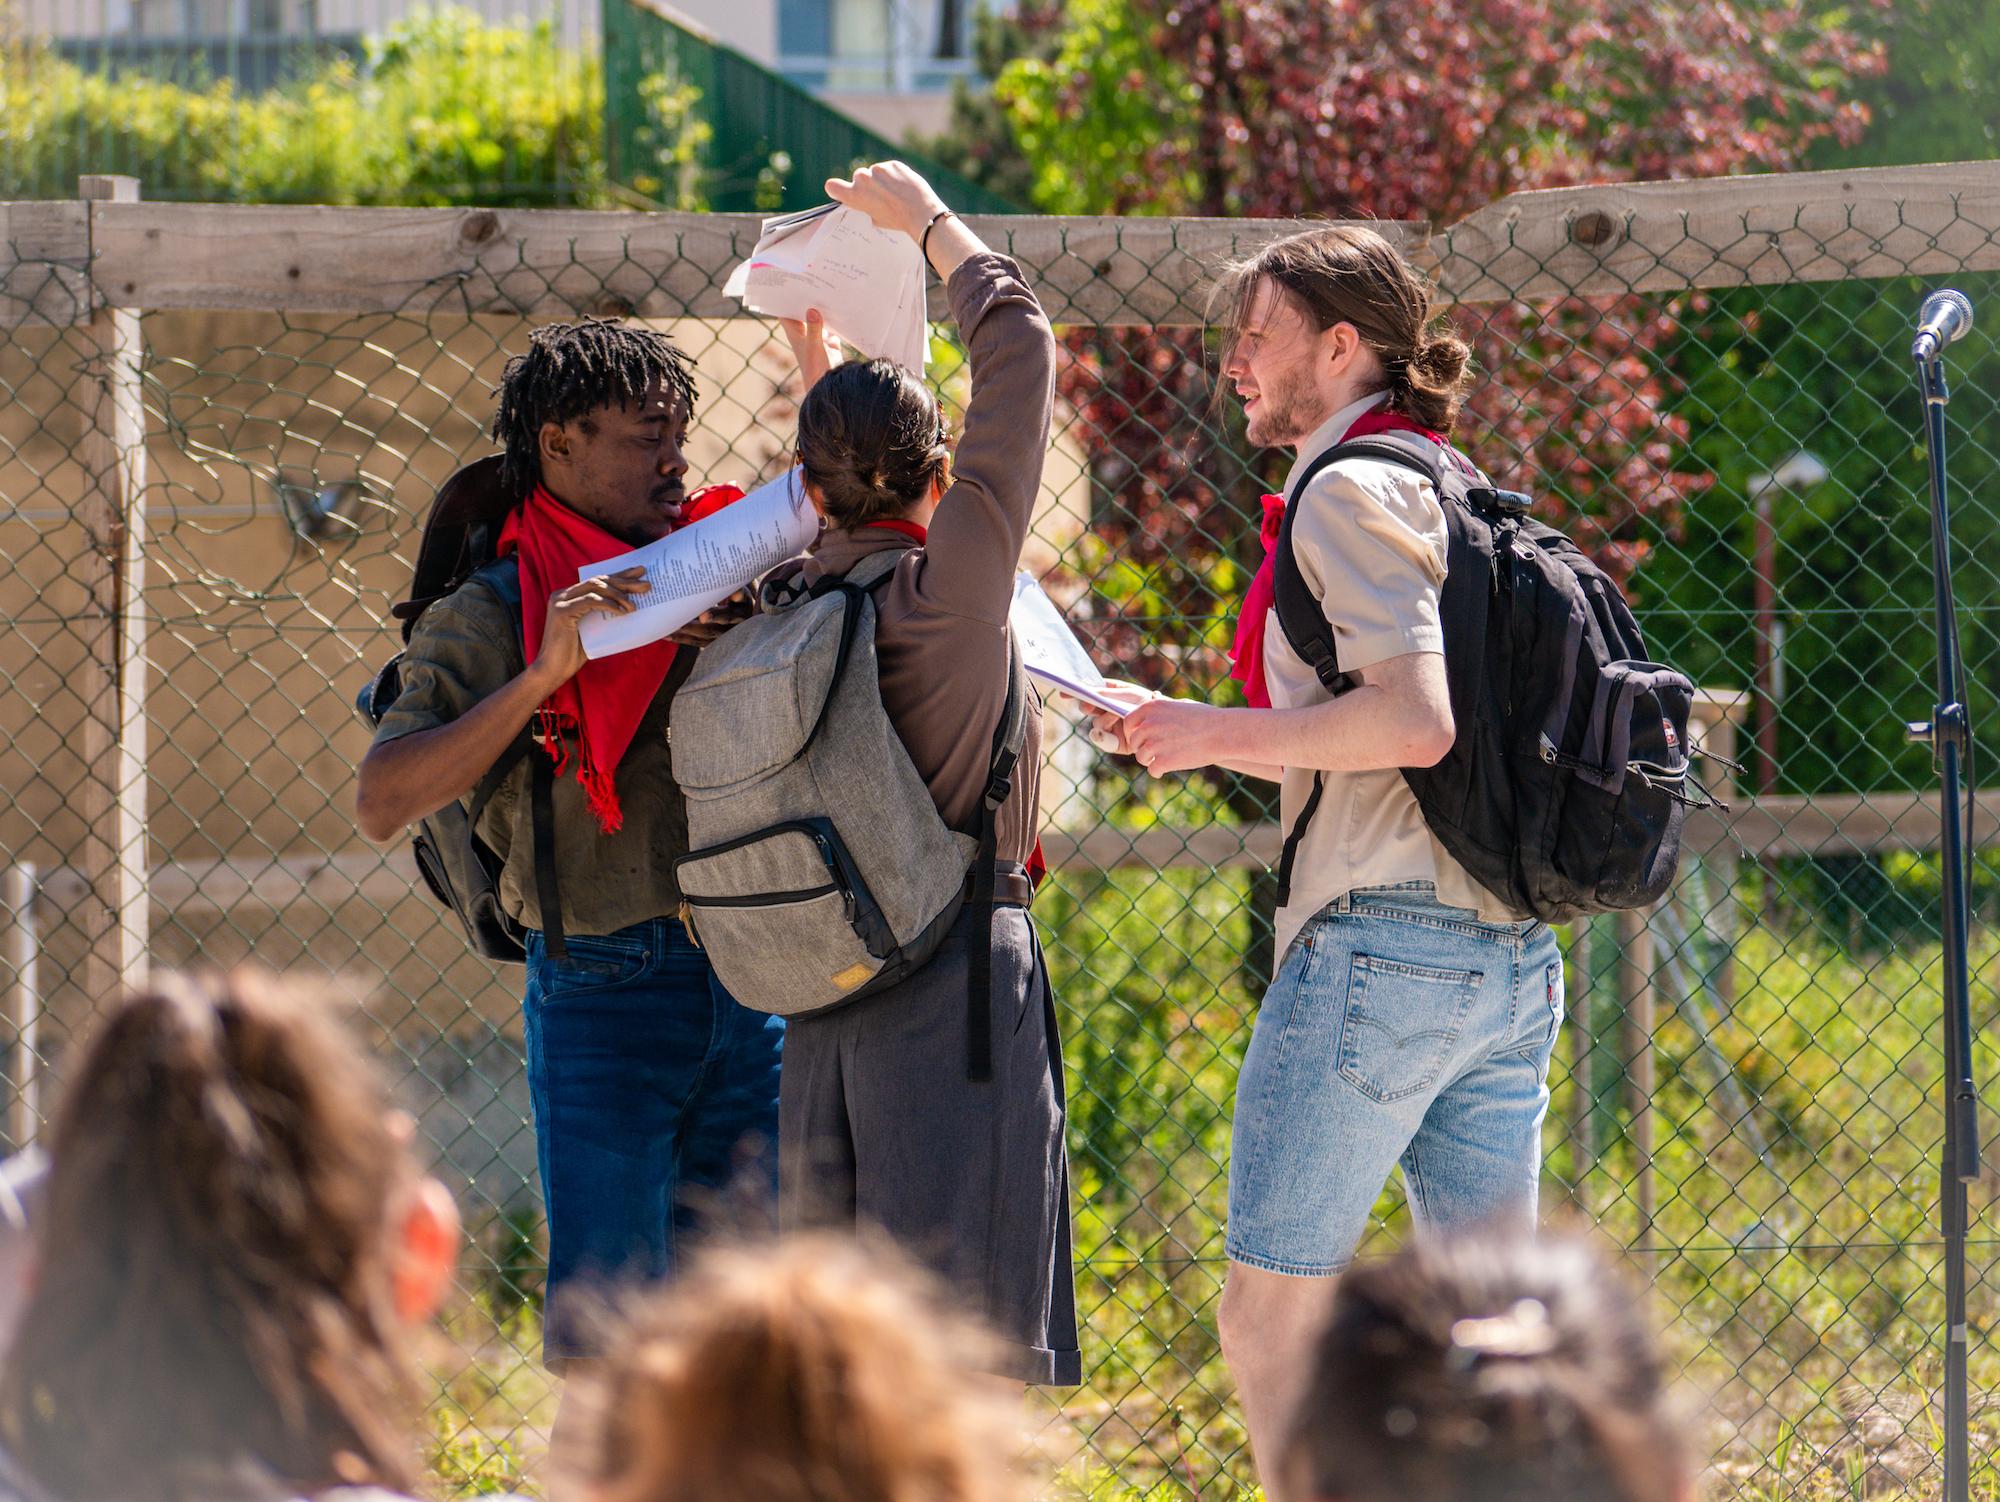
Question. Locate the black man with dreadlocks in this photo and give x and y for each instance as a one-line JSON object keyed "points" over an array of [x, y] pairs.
{"points": [[649, 1082]]}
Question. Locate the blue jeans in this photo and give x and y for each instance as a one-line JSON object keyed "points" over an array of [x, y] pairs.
{"points": [[655, 1093], [1397, 1030]]}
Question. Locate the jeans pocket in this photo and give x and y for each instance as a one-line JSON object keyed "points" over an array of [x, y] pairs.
{"points": [[1543, 1012], [1399, 1024], [595, 962]]}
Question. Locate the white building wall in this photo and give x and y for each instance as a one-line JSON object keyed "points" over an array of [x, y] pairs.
{"points": [[750, 26]]}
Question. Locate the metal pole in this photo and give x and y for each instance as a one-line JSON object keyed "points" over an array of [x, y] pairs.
{"points": [[24, 949], [1949, 734]]}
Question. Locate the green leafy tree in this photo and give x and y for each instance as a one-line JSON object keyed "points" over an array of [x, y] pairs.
{"points": [[1824, 367]]}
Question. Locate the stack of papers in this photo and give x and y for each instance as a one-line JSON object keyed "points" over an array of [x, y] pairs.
{"points": [[697, 567], [867, 283], [1051, 652]]}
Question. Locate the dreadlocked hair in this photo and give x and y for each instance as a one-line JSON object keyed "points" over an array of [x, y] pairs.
{"points": [[574, 368]]}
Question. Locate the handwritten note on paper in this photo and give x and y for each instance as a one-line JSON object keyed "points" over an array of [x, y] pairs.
{"points": [[698, 567], [1051, 652], [867, 283]]}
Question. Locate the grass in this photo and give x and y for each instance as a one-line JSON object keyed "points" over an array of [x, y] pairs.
{"points": [[1801, 1301]]}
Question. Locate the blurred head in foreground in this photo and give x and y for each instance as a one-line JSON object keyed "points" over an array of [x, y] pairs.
{"points": [[235, 1242], [810, 1370], [1487, 1369]]}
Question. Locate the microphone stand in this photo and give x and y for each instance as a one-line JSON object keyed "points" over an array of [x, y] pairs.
{"points": [[1949, 734]]}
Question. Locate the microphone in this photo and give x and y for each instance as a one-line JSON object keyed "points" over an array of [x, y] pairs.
{"points": [[1946, 315]]}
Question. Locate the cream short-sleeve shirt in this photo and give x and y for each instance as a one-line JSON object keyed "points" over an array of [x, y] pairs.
{"points": [[1370, 542]]}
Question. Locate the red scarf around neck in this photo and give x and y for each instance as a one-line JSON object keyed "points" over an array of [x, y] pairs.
{"points": [[1246, 654], [599, 710]]}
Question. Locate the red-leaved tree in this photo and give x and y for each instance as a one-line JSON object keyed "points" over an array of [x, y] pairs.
{"points": [[1365, 108]]}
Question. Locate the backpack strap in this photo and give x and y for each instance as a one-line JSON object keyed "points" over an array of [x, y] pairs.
{"points": [[542, 816], [504, 577], [1302, 617], [874, 573], [1009, 738]]}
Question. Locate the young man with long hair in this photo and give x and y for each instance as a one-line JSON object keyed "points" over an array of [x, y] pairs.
{"points": [[1412, 1015]]}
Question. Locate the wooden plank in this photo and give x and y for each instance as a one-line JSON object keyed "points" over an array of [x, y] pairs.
{"points": [[449, 262], [1137, 272], [1784, 826], [1836, 824], [1831, 824], [1726, 232], [115, 917], [44, 263], [549, 263], [1118, 272], [381, 878]]}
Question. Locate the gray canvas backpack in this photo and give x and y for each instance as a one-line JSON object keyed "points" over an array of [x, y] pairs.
{"points": [[818, 869]]}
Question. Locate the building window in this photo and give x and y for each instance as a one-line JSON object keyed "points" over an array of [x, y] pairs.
{"points": [[952, 42], [204, 19], [868, 46]]}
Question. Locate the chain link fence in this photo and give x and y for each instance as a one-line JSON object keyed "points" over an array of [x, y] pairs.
{"points": [[220, 429]]}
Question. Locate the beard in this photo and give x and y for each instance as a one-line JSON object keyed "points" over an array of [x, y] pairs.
{"points": [[1291, 408]]}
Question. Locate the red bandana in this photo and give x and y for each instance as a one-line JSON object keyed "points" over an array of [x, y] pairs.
{"points": [[599, 710], [1246, 655]]}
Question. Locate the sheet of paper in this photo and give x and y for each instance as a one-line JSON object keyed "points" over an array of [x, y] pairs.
{"points": [[698, 567], [867, 283], [1051, 652]]}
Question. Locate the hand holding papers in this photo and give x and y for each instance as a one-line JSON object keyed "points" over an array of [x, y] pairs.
{"points": [[1051, 652], [868, 283], [699, 566]]}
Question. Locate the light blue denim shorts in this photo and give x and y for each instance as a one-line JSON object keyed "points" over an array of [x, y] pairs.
{"points": [[1397, 1031]]}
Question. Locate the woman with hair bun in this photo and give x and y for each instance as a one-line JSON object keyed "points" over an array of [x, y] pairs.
{"points": [[1487, 1369], [1412, 1015], [879, 1122]]}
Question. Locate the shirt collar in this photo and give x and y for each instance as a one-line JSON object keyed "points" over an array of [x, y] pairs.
{"points": [[839, 550], [1330, 432]]}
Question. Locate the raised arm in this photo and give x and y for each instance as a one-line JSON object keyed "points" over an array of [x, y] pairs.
{"points": [[982, 521]]}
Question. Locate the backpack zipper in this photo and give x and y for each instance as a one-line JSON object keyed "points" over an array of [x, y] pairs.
{"points": [[767, 899]]}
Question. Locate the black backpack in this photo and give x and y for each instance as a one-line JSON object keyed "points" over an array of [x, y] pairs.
{"points": [[1566, 789], [460, 537]]}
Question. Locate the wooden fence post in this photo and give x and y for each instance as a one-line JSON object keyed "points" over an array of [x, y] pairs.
{"points": [[112, 801], [1635, 993], [18, 890], [1717, 714], [1583, 1137]]}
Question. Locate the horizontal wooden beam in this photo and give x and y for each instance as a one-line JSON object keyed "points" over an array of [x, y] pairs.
{"points": [[1833, 824], [1830, 824], [44, 263], [223, 886], [559, 263], [554, 263], [1725, 232], [423, 262]]}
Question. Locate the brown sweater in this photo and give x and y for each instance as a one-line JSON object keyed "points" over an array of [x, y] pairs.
{"points": [[941, 627]]}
